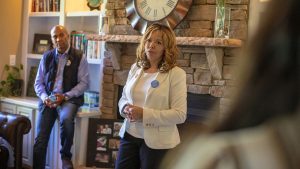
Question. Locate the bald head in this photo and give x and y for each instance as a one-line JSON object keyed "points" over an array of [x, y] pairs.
{"points": [[60, 38], [59, 27]]}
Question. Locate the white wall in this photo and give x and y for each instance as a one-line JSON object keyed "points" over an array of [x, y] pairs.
{"points": [[10, 30]]}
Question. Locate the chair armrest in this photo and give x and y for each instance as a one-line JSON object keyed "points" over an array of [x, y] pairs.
{"points": [[12, 128]]}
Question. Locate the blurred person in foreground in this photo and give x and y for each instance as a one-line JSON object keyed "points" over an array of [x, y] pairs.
{"points": [[61, 80], [153, 101], [262, 127]]}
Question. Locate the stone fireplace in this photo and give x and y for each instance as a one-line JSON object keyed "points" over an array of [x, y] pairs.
{"points": [[208, 63]]}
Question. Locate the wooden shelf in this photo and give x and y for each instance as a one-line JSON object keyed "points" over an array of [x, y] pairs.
{"points": [[94, 61], [83, 13], [39, 56], [44, 14], [34, 56], [32, 102], [184, 41]]}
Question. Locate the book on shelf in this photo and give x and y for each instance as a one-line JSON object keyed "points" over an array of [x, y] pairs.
{"points": [[91, 99], [90, 48], [78, 40], [45, 6], [93, 50]]}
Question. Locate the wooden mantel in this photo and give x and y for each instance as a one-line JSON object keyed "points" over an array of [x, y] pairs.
{"points": [[184, 41], [213, 48]]}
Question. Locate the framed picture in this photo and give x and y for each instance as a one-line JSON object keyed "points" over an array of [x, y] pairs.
{"points": [[103, 142], [42, 43]]}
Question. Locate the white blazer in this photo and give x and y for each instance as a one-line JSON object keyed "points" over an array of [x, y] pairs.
{"points": [[165, 106]]}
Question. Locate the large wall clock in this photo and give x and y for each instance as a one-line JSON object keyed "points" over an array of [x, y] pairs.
{"points": [[94, 4], [141, 13]]}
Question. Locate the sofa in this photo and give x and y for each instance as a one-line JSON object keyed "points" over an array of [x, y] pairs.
{"points": [[12, 129]]}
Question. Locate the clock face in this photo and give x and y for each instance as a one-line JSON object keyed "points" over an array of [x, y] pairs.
{"points": [[155, 10], [94, 4], [142, 13]]}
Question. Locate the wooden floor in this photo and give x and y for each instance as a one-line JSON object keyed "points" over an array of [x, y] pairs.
{"points": [[79, 167], [187, 132], [82, 167]]}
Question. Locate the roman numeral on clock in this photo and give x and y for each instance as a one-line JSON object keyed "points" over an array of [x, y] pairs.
{"points": [[170, 3], [154, 12], [143, 4], [148, 10], [163, 9]]}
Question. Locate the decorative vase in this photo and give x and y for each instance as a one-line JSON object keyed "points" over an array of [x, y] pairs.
{"points": [[222, 22], [104, 26]]}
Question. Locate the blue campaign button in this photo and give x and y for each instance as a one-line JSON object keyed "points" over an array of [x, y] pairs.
{"points": [[154, 84]]}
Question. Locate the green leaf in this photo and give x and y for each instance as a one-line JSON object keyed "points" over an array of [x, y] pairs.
{"points": [[12, 73], [3, 82], [16, 69]]}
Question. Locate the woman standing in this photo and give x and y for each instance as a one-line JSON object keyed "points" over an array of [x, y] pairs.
{"points": [[153, 101]]}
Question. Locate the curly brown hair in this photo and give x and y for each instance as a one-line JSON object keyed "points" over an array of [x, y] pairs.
{"points": [[171, 51]]}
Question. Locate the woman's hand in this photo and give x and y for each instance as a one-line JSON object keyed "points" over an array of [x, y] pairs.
{"points": [[133, 113]]}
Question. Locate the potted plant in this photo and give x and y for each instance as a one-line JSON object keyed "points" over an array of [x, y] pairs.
{"points": [[11, 83]]}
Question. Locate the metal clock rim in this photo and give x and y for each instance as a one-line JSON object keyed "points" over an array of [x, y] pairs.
{"points": [[96, 6], [172, 19], [158, 20]]}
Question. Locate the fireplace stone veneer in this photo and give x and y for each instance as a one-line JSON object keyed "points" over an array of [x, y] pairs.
{"points": [[208, 62]]}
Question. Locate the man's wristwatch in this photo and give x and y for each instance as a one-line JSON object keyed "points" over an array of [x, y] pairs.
{"points": [[44, 101], [66, 97]]}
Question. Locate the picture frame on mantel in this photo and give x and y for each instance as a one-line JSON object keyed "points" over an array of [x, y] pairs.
{"points": [[103, 142], [41, 43]]}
